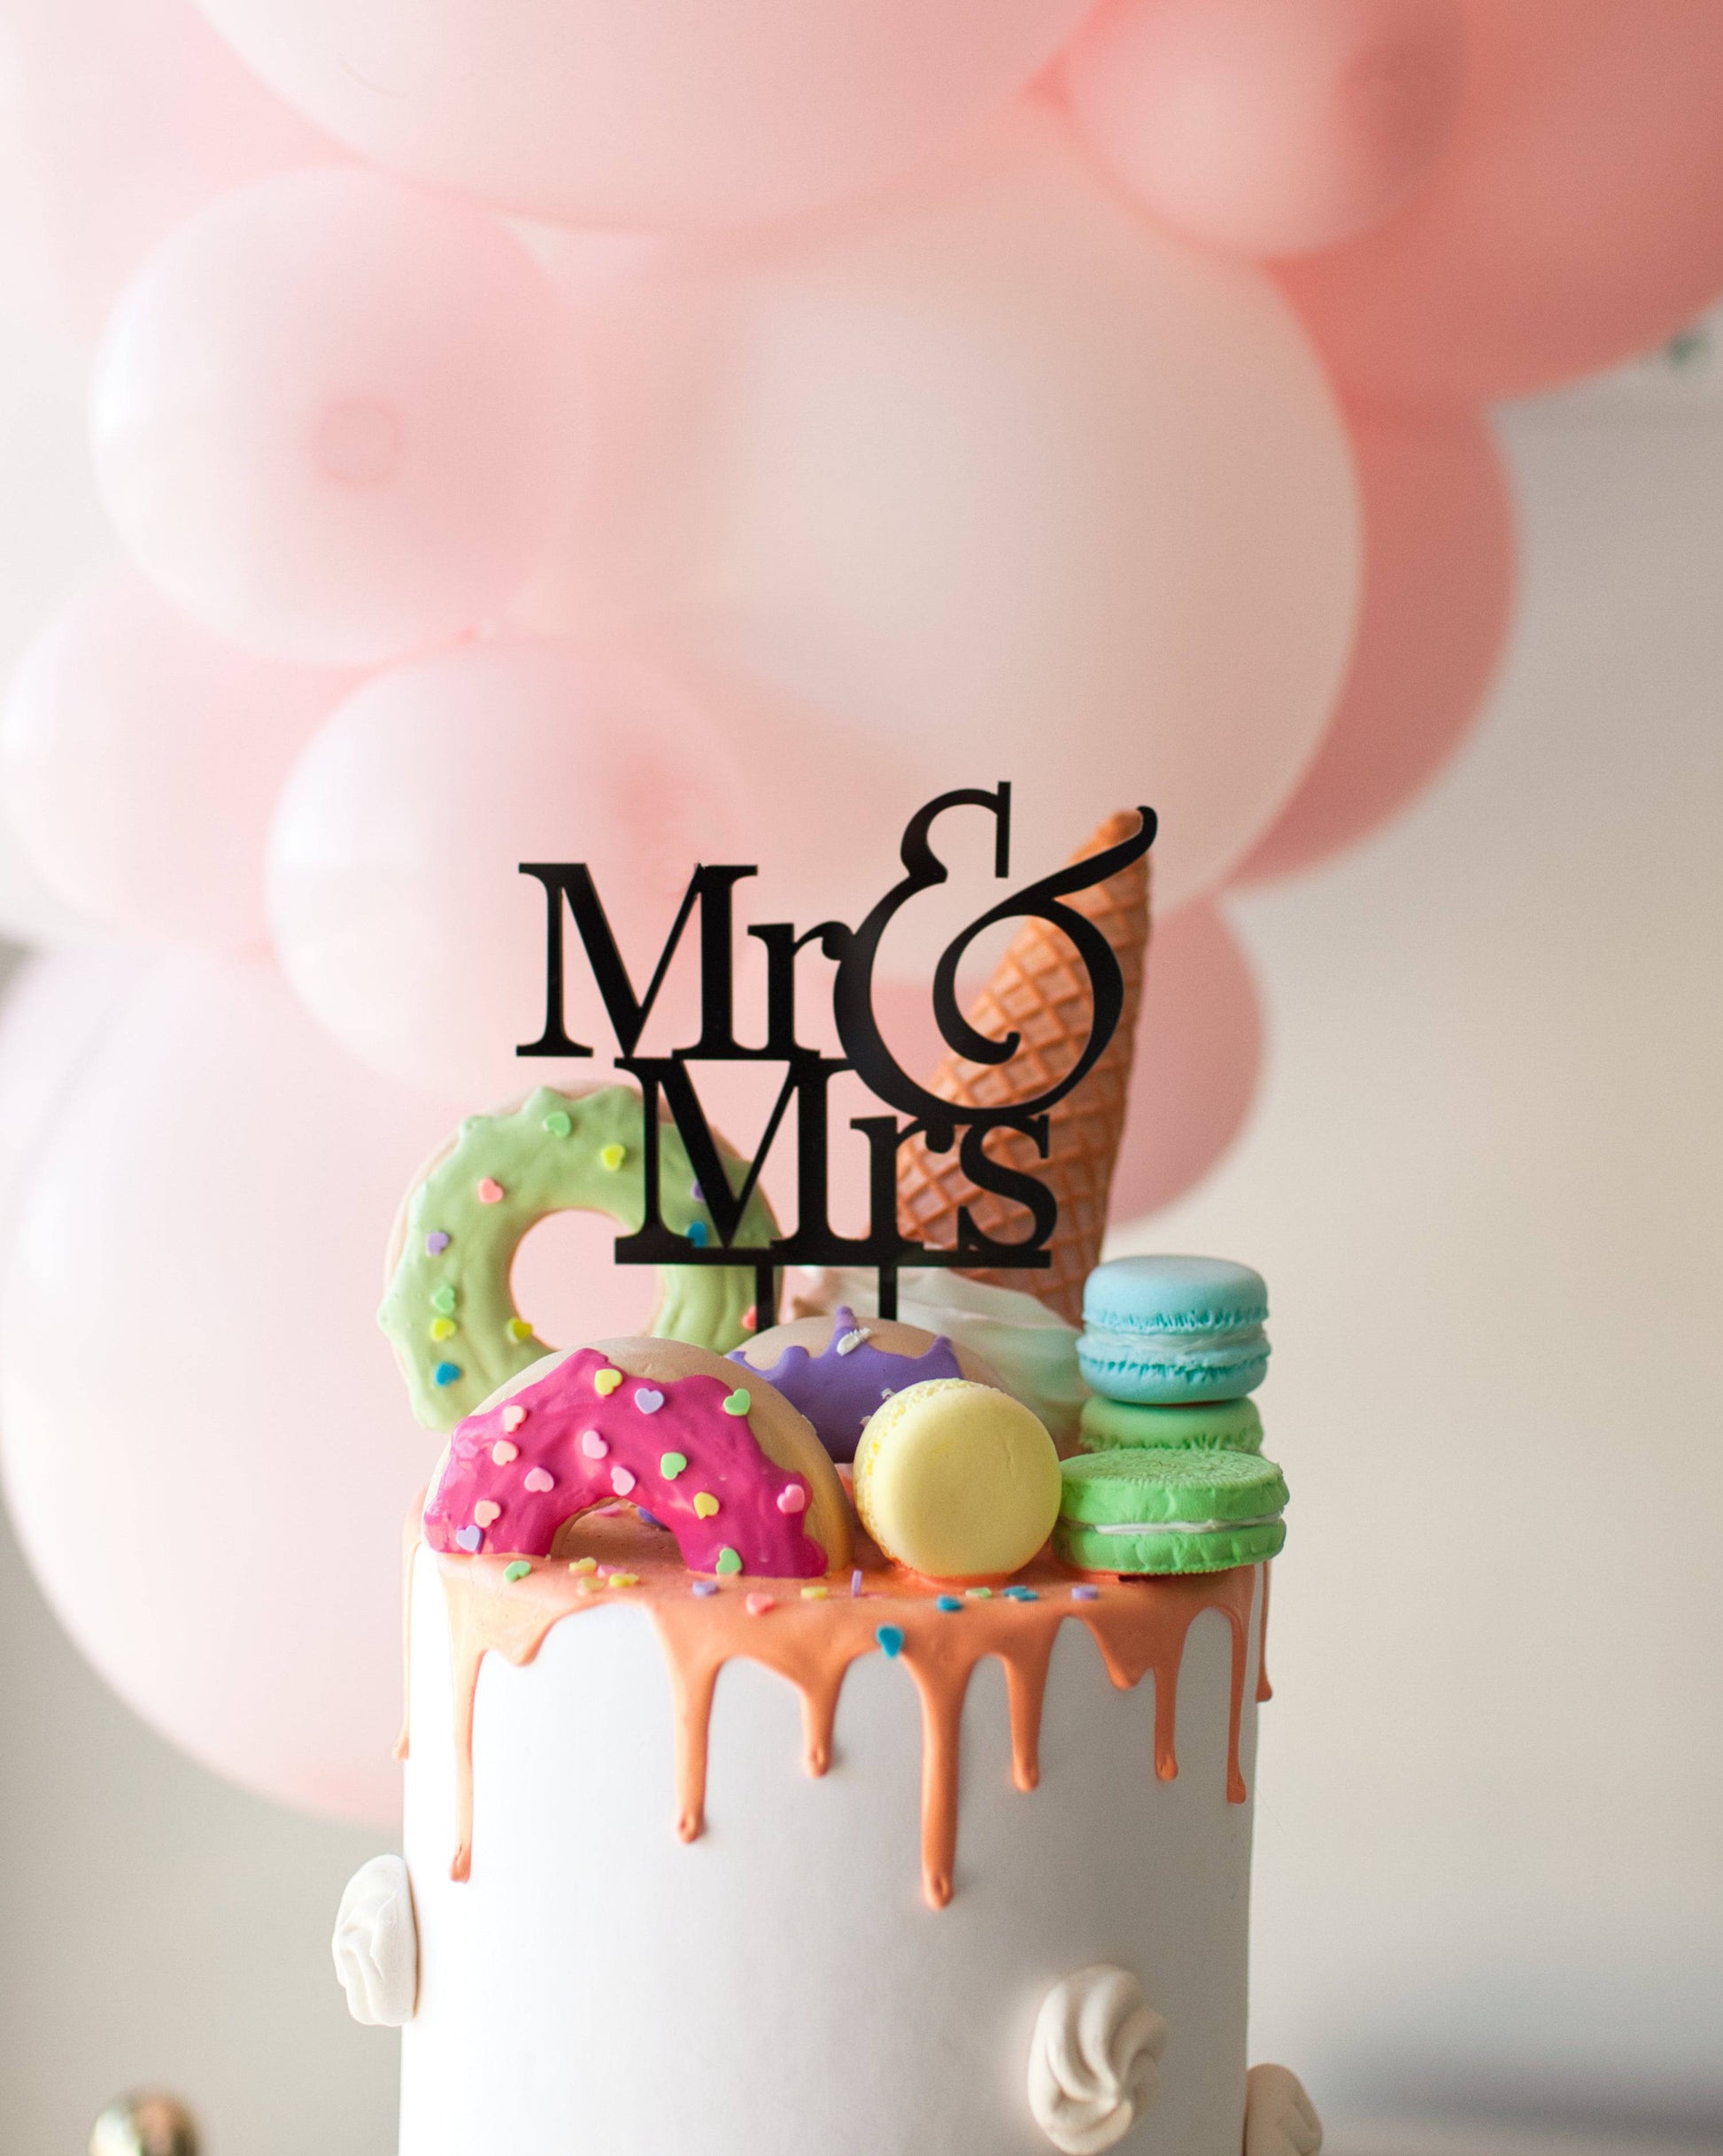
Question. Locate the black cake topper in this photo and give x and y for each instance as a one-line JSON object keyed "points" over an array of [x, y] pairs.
{"points": [[668, 1079]]}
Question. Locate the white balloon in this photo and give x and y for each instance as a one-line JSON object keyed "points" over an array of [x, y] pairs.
{"points": [[998, 481]]}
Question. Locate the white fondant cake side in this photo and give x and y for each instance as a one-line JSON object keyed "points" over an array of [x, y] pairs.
{"points": [[780, 1984]]}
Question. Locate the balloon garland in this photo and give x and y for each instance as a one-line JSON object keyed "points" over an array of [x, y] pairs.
{"points": [[695, 434]]}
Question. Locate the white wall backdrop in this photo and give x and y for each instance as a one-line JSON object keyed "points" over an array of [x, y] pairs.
{"points": [[1484, 1182]]}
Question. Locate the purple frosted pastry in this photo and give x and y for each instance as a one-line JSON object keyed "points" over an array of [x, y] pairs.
{"points": [[837, 1369]]}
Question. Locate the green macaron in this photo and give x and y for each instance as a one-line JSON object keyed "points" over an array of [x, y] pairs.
{"points": [[1213, 1426], [1162, 1509]]}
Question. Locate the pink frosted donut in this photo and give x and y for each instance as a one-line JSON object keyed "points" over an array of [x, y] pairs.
{"points": [[714, 1452]]}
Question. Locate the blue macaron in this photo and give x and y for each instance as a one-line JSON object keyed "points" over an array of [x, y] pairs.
{"points": [[1161, 1331]]}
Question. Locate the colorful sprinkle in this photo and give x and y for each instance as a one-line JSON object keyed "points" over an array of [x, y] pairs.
{"points": [[445, 1373], [751, 1319], [814, 1593], [696, 1193], [703, 1587], [738, 1403], [648, 1399], [1085, 1593], [791, 1499], [757, 1605], [537, 1481], [517, 1571], [974, 1594], [705, 1504], [443, 1328], [587, 1585], [485, 1511], [948, 1602], [593, 1446], [502, 1452], [728, 1561], [519, 1328], [469, 1538], [671, 1465], [490, 1191], [856, 1582], [1020, 1593], [611, 1158], [698, 1234], [852, 1340], [584, 1564], [443, 1298], [624, 1580], [605, 1382], [890, 1641], [512, 1416], [437, 1242], [559, 1123], [621, 1480]]}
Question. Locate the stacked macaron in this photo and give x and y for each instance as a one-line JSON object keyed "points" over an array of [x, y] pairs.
{"points": [[1171, 1479]]}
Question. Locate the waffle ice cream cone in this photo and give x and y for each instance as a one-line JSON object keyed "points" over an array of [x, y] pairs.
{"points": [[1040, 991]]}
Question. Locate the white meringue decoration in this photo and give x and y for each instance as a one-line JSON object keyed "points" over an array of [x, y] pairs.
{"points": [[1279, 2119], [1092, 2060], [377, 1944]]}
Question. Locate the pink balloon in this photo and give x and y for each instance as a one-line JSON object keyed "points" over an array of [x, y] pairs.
{"points": [[399, 909], [1576, 218], [118, 118], [1268, 126], [54, 1012], [1198, 1050], [631, 112], [207, 1450], [926, 488], [322, 417], [140, 760], [1437, 594]]}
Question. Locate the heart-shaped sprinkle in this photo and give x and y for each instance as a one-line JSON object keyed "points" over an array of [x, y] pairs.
{"points": [[949, 1603], [705, 1503], [519, 1328], [738, 1403], [537, 1481], [671, 1464], [649, 1399], [469, 1538], [437, 1242], [443, 1328], [517, 1571], [792, 1498], [727, 1561], [621, 1481], [484, 1511], [503, 1453], [706, 1587], [592, 1445], [890, 1641], [624, 1580], [443, 1298], [489, 1191], [757, 1605], [605, 1382], [611, 1158], [445, 1373], [750, 1319], [512, 1416], [584, 1564], [559, 1123]]}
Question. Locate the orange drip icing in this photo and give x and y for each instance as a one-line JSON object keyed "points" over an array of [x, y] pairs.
{"points": [[1264, 1689], [1140, 1628]]}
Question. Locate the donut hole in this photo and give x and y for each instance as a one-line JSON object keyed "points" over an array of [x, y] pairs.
{"points": [[566, 1282]]}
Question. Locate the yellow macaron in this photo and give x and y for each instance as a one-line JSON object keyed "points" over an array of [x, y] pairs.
{"points": [[957, 1480]]}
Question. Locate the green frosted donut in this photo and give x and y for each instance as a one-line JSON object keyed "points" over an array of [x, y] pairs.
{"points": [[448, 1309]]}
